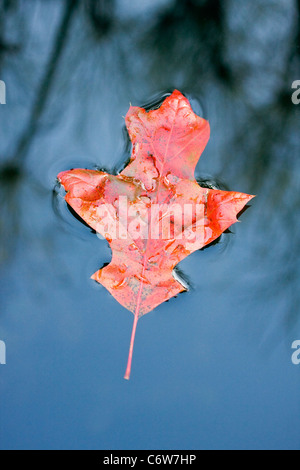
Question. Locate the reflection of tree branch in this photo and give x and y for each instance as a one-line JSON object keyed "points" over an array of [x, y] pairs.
{"points": [[47, 80], [202, 25], [298, 32], [10, 174], [101, 13]]}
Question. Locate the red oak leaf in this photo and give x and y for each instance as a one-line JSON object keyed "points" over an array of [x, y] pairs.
{"points": [[154, 213]]}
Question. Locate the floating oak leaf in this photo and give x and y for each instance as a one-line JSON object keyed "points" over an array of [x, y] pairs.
{"points": [[154, 213]]}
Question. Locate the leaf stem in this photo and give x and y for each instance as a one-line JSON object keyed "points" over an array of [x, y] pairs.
{"points": [[128, 369]]}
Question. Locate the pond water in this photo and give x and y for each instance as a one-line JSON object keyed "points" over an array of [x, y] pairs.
{"points": [[212, 369]]}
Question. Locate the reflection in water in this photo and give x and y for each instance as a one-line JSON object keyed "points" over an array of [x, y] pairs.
{"points": [[189, 45], [71, 69], [9, 182], [46, 82], [102, 15]]}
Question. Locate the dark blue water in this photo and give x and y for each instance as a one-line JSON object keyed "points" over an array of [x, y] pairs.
{"points": [[212, 368]]}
